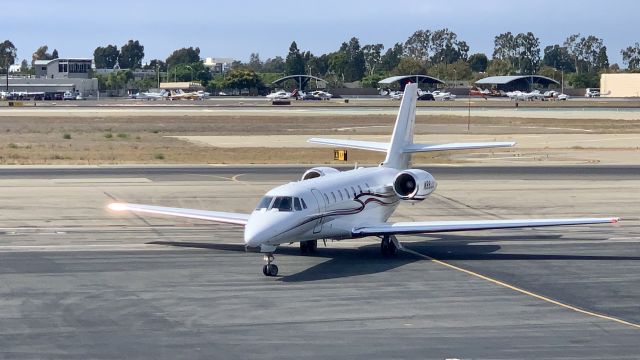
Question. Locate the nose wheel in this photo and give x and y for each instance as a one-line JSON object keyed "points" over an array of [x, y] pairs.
{"points": [[269, 269]]}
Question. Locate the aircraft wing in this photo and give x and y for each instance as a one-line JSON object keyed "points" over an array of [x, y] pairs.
{"points": [[425, 227], [217, 216], [354, 144]]}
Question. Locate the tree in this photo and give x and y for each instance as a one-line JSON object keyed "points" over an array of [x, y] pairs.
{"points": [[478, 62], [131, 55], [602, 60], [319, 64], [410, 66], [242, 79], [54, 54], [41, 54], [106, 57], [446, 48], [8, 53], [24, 66], [505, 49], [558, 57], [183, 56], [418, 45], [528, 50], [354, 64], [391, 58], [631, 57], [156, 63], [571, 44], [275, 65], [587, 50], [254, 62], [455, 72], [372, 55], [294, 65], [498, 67]]}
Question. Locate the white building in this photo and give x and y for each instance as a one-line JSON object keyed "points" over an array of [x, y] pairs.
{"points": [[218, 65]]}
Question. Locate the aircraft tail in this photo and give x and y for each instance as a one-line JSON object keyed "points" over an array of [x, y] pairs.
{"points": [[401, 146], [402, 136]]}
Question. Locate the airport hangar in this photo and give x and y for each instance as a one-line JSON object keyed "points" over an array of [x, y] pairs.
{"points": [[515, 82], [620, 85], [403, 80], [58, 76]]}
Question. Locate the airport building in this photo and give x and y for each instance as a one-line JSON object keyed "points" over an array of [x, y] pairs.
{"points": [[218, 65], [63, 68], [620, 85], [57, 76]]}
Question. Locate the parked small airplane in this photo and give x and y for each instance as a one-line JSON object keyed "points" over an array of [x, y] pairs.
{"points": [[182, 95], [443, 96], [150, 95], [279, 95], [330, 204]]}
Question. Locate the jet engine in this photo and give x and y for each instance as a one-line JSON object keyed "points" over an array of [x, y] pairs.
{"points": [[414, 185], [318, 171]]}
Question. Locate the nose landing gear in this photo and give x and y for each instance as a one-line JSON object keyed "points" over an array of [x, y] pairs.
{"points": [[269, 269]]}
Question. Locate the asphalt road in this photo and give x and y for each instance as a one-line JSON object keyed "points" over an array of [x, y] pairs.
{"points": [[79, 283]]}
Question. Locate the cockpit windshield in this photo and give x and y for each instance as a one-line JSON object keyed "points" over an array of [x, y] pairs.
{"points": [[283, 203], [264, 203]]}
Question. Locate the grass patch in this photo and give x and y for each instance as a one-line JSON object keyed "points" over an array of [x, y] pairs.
{"points": [[66, 136], [158, 156], [108, 135], [12, 146], [123, 135]]}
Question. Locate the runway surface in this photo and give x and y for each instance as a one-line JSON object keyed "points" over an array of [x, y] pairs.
{"points": [[77, 282]]}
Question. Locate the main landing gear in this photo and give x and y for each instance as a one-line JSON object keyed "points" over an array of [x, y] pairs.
{"points": [[308, 247], [269, 269], [388, 246]]}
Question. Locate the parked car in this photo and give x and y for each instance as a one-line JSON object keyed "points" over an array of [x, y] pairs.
{"points": [[592, 92], [68, 95]]}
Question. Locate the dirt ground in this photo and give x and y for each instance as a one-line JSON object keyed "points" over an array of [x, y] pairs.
{"points": [[129, 139]]}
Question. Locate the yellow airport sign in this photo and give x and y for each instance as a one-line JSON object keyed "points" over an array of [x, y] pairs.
{"points": [[340, 155]]}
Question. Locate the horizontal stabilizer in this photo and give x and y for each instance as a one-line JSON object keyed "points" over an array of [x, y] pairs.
{"points": [[217, 216], [413, 148], [352, 144], [425, 227]]}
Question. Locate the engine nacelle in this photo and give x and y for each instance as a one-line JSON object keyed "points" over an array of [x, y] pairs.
{"points": [[318, 171], [414, 185]]}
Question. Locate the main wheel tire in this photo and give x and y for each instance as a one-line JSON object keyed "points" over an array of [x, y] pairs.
{"points": [[264, 270], [272, 270], [308, 247], [387, 247], [312, 246]]}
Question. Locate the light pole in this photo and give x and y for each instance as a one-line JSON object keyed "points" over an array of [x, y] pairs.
{"points": [[191, 69]]}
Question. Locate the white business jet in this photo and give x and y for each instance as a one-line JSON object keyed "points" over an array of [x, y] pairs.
{"points": [[329, 204]]}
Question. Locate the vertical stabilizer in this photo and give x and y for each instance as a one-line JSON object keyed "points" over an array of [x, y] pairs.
{"points": [[403, 131]]}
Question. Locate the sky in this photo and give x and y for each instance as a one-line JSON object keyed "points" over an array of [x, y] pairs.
{"points": [[236, 29]]}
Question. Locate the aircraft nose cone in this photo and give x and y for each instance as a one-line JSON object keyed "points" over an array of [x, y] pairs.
{"points": [[257, 233]]}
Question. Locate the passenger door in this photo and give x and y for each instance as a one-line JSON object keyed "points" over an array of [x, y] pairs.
{"points": [[321, 208]]}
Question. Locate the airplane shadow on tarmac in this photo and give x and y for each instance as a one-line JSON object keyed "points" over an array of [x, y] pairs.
{"points": [[345, 262]]}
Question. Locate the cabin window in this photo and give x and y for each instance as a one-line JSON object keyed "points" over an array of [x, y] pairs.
{"points": [[334, 197], [353, 191], [296, 204], [283, 203], [264, 203], [304, 205], [326, 198], [359, 188], [340, 193]]}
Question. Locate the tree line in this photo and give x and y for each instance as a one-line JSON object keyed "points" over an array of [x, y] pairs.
{"points": [[439, 53]]}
